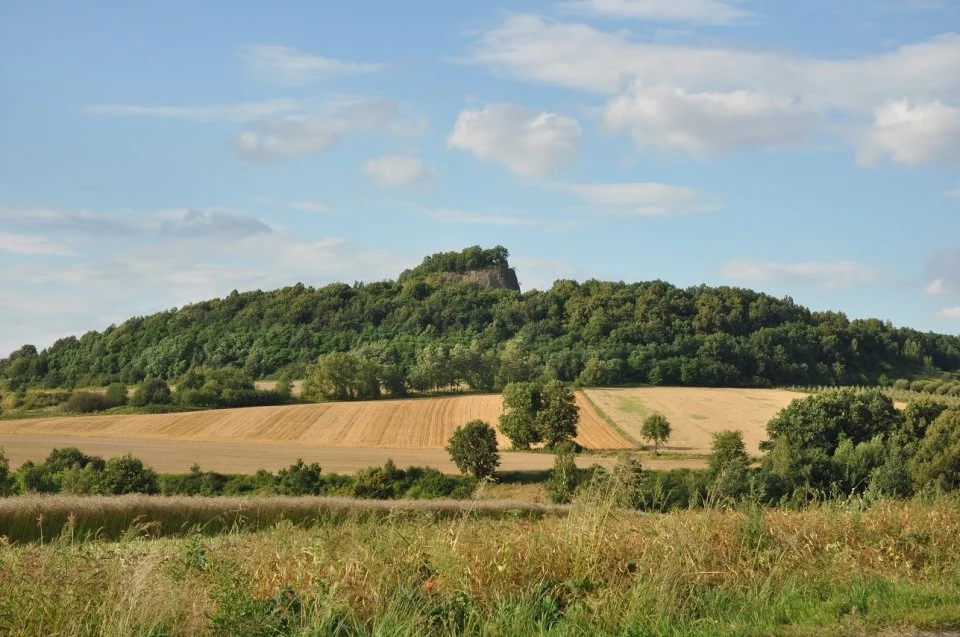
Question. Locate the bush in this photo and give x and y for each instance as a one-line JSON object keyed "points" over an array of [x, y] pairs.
{"points": [[564, 478], [35, 478], [937, 461], [473, 448], [85, 402], [117, 394], [378, 483], [126, 474], [6, 480], [152, 391], [300, 479]]}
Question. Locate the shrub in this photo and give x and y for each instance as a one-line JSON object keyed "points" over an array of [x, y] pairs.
{"points": [[126, 474], [85, 402], [117, 394], [300, 479], [937, 461], [6, 480], [473, 448], [35, 478], [152, 391], [564, 478], [378, 483]]}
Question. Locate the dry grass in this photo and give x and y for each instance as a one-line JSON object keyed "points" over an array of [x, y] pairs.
{"points": [[825, 571], [695, 413]]}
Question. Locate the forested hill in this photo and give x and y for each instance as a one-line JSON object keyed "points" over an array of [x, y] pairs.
{"points": [[424, 332]]}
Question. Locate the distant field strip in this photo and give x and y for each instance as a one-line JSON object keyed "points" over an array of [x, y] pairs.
{"points": [[417, 423], [695, 413]]}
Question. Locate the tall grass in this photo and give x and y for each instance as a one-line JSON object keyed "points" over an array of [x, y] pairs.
{"points": [[829, 570], [41, 518]]}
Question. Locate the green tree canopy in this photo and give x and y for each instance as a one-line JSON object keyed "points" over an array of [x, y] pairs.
{"points": [[473, 448], [656, 429]]}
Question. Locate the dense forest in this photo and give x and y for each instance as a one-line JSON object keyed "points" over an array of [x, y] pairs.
{"points": [[422, 333]]}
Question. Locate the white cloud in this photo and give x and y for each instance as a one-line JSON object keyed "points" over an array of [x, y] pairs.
{"points": [[906, 134], [699, 11], [943, 270], [530, 144], [579, 56], [641, 199], [308, 206], [936, 287], [216, 223], [284, 65], [391, 171], [108, 281], [949, 313], [223, 223], [447, 215], [30, 244], [825, 274], [953, 194], [70, 221], [241, 112], [703, 124], [285, 137]]}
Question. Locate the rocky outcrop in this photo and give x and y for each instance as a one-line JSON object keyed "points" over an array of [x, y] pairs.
{"points": [[493, 278]]}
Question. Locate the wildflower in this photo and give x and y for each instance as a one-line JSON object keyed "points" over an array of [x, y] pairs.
{"points": [[429, 585]]}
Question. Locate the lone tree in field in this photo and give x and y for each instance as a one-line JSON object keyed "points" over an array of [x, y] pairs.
{"points": [[539, 413], [473, 448], [656, 429]]}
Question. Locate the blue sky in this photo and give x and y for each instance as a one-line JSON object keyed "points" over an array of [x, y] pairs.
{"points": [[157, 154]]}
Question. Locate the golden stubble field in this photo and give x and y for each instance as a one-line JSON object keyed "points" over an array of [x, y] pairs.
{"points": [[342, 436], [695, 413], [348, 436]]}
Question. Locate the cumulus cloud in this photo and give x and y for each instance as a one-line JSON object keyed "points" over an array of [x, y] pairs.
{"points": [[31, 244], [222, 224], [703, 124], [284, 65], [107, 281], [70, 221], [579, 56], [950, 313], [530, 144], [240, 112], [641, 199], [391, 171], [824, 274], [279, 138], [914, 134], [943, 272], [697, 11]]}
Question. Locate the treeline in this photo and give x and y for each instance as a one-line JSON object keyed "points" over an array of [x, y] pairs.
{"points": [[413, 335], [71, 471], [199, 388]]}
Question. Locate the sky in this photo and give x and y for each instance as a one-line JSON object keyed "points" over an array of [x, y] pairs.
{"points": [[157, 154]]}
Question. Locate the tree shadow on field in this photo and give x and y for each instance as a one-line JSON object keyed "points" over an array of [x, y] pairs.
{"points": [[523, 477]]}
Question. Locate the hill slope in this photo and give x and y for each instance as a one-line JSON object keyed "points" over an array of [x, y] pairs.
{"points": [[428, 331]]}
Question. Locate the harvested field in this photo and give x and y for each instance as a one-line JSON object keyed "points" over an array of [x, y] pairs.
{"points": [[695, 413], [341, 436]]}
